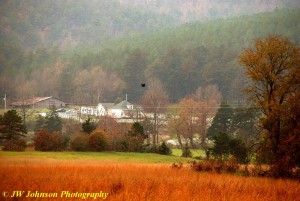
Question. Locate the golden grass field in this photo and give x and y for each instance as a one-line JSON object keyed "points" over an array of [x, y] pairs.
{"points": [[133, 181]]}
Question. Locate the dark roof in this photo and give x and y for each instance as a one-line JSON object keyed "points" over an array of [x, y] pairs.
{"points": [[107, 105], [122, 105], [32, 101]]}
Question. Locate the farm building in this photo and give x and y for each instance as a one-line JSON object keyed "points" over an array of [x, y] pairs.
{"points": [[124, 109], [40, 102]]}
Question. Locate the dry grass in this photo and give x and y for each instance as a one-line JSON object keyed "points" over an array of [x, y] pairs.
{"points": [[137, 181]]}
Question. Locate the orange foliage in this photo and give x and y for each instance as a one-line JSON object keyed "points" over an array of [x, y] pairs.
{"points": [[273, 65], [194, 112], [137, 181]]}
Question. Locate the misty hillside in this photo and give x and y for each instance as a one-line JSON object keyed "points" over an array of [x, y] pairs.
{"points": [[205, 9], [183, 58], [191, 55], [33, 24]]}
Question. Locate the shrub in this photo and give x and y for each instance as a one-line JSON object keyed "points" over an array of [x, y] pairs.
{"points": [[120, 145], [80, 142], [218, 166], [231, 165], [41, 141], [14, 145], [56, 142], [98, 141], [210, 165], [164, 149], [45, 141], [151, 148]]}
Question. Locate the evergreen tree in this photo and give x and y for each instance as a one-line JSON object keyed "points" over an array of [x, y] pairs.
{"points": [[239, 150], [88, 126], [52, 121], [66, 85], [136, 137], [40, 123], [137, 130], [222, 122], [244, 124], [11, 125], [222, 148], [225, 146]]}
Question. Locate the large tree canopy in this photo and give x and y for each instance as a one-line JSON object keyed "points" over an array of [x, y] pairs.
{"points": [[273, 66]]}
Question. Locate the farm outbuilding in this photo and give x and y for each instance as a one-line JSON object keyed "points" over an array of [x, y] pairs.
{"points": [[40, 102]]}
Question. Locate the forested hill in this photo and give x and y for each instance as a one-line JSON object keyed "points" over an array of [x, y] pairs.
{"points": [[33, 23], [191, 55], [183, 58], [205, 9]]}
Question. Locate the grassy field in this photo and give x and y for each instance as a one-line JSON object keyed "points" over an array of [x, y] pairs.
{"points": [[195, 152], [114, 157], [127, 176]]}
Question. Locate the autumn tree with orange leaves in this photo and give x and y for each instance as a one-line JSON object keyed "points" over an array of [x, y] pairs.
{"points": [[194, 113], [273, 66], [188, 120]]}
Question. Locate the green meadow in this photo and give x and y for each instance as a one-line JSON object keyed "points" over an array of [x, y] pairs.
{"points": [[117, 157]]}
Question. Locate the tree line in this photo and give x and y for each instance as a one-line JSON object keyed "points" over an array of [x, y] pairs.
{"points": [[269, 129], [34, 24], [183, 58]]}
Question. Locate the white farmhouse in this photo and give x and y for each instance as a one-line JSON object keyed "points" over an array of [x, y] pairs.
{"points": [[103, 108], [122, 110], [88, 110]]}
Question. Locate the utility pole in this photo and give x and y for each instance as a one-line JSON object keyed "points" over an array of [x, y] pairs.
{"points": [[4, 102]]}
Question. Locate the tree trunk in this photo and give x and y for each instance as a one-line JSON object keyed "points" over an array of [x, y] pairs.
{"points": [[148, 138], [154, 138], [179, 140], [192, 142], [155, 127]]}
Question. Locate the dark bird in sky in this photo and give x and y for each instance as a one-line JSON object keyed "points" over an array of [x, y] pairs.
{"points": [[143, 84]]}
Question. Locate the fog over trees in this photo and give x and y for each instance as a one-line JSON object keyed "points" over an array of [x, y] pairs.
{"points": [[101, 50], [219, 76]]}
